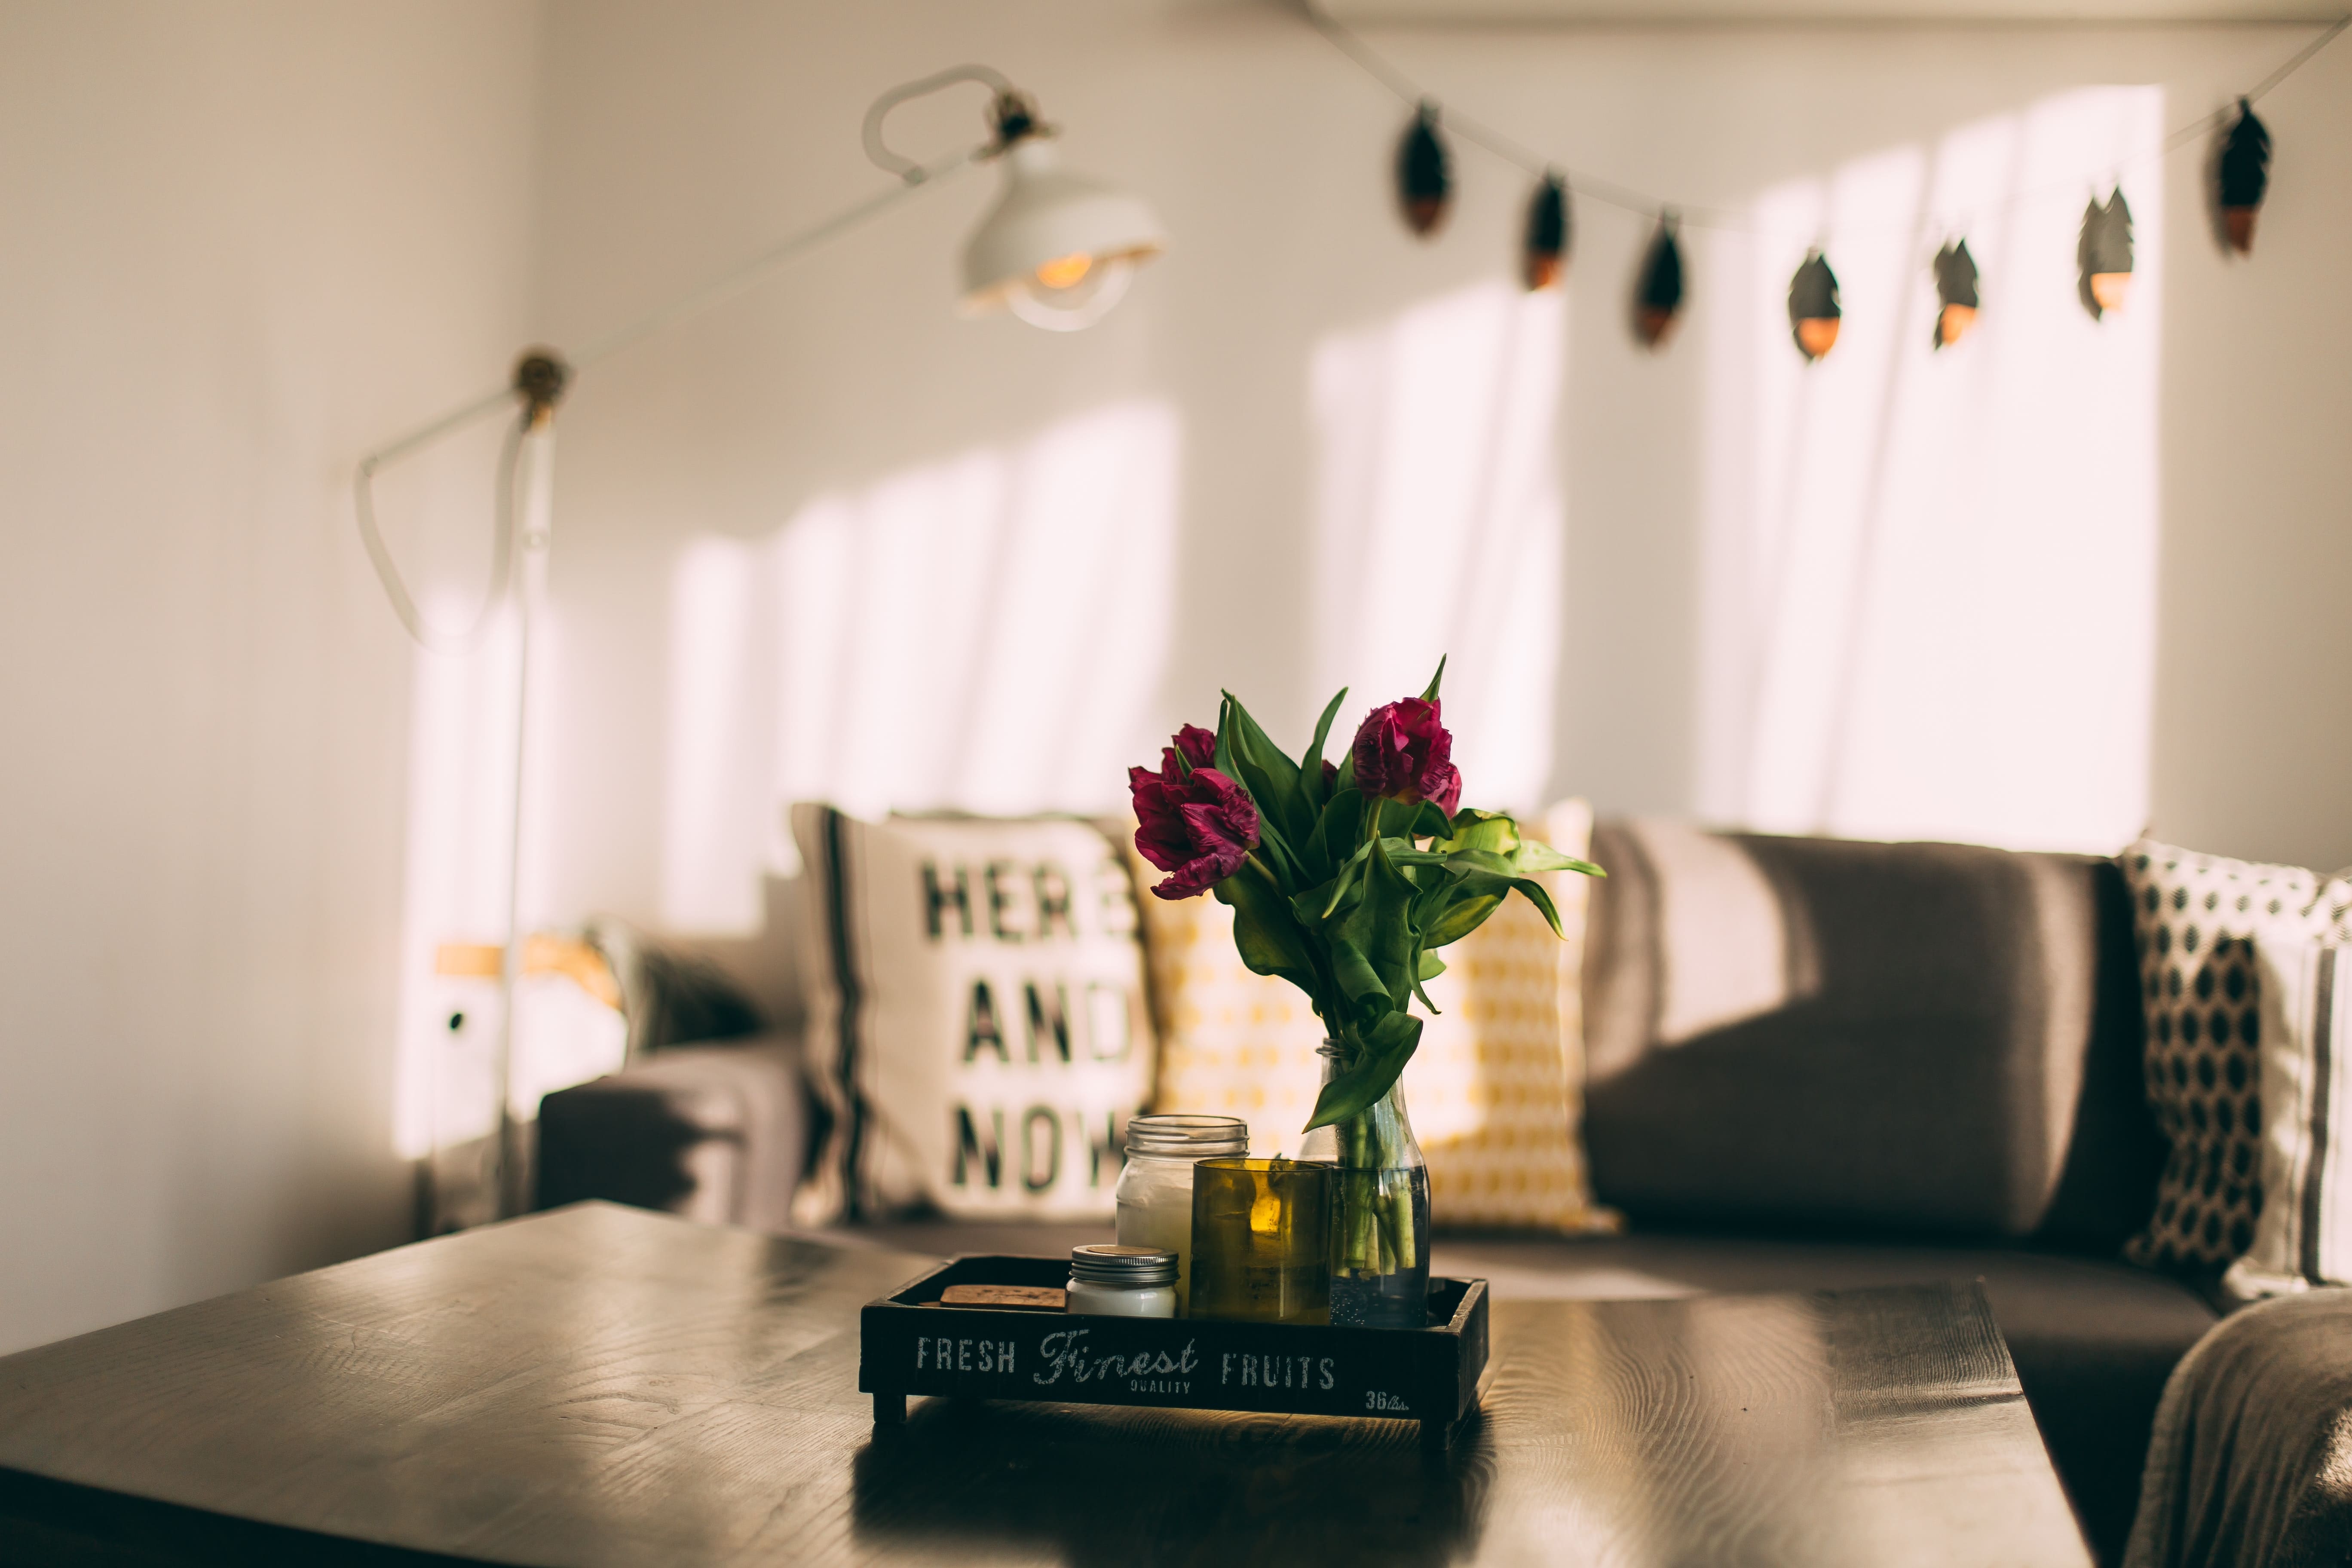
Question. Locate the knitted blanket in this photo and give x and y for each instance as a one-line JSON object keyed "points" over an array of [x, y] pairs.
{"points": [[2251, 1462]]}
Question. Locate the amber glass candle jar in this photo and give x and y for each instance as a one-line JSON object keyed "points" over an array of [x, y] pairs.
{"points": [[1262, 1240]]}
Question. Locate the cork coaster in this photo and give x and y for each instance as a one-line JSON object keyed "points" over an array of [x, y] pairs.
{"points": [[1037, 1297]]}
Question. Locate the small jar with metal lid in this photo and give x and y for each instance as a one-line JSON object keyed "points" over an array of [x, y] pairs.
{"points": [[1123, 1281]]}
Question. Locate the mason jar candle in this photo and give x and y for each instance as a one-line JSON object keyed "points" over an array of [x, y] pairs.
{"points": [[1155, 1190], [1123, 1281], [1262, 1240]]}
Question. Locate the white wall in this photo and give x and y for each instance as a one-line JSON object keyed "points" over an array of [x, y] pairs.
{"points": [[238, 243], [683, 140]]}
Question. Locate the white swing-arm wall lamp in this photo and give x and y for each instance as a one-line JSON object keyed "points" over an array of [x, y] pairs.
{"points": [[1057, 250]]}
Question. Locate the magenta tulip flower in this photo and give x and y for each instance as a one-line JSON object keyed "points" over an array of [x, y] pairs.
{"points": [[1403, 752], [1199, 826]]}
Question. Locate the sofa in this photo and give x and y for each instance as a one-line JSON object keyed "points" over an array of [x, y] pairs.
{"points": [[1810, 1064]]}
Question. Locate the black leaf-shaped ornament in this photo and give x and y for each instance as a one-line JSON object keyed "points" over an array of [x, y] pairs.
{"points": [[1425, 177], [2243, 176], [1956, 293], [1813, 310], [1658, 298], [2105, 255], [1544, 258]]}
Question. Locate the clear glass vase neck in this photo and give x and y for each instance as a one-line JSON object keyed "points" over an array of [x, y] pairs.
{"points": [[1379, 1137]]}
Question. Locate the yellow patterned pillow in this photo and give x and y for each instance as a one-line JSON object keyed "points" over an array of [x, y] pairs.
{"points": [[1496, 1092]]}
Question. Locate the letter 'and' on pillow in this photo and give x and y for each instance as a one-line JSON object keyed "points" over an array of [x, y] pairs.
{"points": [[977, 1025]]}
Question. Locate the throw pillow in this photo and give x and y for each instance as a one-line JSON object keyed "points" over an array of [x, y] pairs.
{"points": [[2303, 1236], [976, 1024], [1495, 1090], [2195, 920]]}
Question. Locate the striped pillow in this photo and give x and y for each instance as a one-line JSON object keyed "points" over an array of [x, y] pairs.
{"points": [[2304, 1235]]}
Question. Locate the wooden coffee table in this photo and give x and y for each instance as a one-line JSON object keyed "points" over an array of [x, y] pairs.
{"points": [[603, 1385]]}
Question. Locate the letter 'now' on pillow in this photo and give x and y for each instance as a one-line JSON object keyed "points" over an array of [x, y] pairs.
{"points": [[977, 1026]]}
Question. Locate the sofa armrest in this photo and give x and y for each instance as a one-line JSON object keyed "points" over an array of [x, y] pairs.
{"points": [[2251, 1462], [716, 1134]]}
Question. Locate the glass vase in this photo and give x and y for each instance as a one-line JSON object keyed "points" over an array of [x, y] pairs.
{"points": [[1379, 1210]]}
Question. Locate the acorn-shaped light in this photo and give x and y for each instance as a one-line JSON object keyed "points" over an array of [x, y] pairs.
{"points": [[2245, 177], [1956, 293], [2105, 255], [1424, 178], [1658, 298], [1544, 262], [1813, 309]]}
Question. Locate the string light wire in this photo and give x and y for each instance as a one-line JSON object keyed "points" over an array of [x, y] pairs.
{"points": [[1510, 150]]}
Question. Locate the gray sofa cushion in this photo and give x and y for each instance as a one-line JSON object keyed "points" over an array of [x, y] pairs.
{"points": [[716, 1134], [1907, 1037]]}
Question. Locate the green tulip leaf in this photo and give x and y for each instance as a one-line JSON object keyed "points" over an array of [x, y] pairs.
{"points": [[1271, 778], [1483, 830], [1266, 936], [1533, 857], [1338, 834], [1462, 917], [1379, 926], [1310, 766], [1360, 985], [1429, 821]]}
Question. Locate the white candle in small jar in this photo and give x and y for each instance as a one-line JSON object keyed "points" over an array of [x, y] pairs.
{"points": [[1155, 1191], [1117, 1281]]}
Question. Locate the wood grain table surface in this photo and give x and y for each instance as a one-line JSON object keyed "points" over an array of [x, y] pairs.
{"points": [[601, 1386]]}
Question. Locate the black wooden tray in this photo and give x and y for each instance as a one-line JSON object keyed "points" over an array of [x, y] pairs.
{"points": [[909, 1343]]}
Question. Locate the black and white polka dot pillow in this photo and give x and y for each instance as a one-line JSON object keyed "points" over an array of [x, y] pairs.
{"points": [[2195, 917]]}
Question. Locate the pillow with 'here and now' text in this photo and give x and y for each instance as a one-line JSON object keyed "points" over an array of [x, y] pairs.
{"points": [[976, 1021]]}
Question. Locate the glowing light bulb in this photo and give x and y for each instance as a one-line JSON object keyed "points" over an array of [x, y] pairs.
{"points": [[1065, 272]]}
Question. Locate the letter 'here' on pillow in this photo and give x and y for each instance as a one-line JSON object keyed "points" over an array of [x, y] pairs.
{"points": [[976, 1022]]}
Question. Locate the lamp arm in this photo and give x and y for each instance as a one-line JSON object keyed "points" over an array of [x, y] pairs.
{"points": [[906, 168], [725, 287], [757, 268], [387, 571]]}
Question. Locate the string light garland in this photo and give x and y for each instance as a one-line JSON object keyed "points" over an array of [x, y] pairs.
{"points": [[1658, 300], [1425, 173], [2242, 172], [1814, 313], [2243, 177], [2105, 255], [1956, 293], [1544, 259]]}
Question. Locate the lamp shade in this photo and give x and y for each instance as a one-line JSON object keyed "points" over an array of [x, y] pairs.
{"points": [[1057, 247]]}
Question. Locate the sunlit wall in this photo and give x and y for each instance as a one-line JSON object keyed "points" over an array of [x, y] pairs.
{"points": [[987, 634], [1930, 573], [1438, 522]]}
